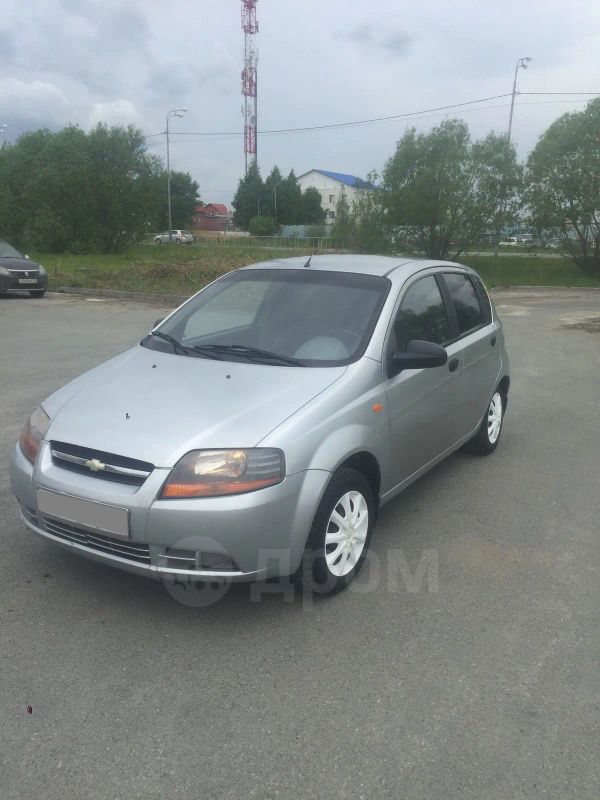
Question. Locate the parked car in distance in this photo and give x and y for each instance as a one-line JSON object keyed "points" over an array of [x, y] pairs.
{"points": [[18, 273], [178, 236], [512, 241], [256, 431]]}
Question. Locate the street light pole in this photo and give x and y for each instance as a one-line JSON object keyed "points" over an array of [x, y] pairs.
{"points": [[176, 112], [521, 64]]}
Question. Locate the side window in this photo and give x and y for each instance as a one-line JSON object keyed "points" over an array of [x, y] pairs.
{"points": [[484, 297], [466, 302], [422, 315]]}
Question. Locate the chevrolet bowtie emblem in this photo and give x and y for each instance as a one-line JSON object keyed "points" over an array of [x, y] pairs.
{"points": [[94, 464]]}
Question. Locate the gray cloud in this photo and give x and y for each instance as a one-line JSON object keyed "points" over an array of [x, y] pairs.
{"points": [[360, 34], [130, 61], [397, 43]]}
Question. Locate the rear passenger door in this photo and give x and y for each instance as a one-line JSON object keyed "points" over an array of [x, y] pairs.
{"points": [[476, 333]]}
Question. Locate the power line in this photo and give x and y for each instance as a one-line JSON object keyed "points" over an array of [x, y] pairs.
{"points": [[374, 120]]}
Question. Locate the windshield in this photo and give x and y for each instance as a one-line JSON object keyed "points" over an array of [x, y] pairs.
{"points": [[304, 317], [6, 251]]}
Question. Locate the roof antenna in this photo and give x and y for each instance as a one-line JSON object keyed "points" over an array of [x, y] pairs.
{"points": [[310, 256]]}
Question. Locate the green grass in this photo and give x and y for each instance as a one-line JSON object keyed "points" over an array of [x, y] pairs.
{"points": [[169, 269], [526, 271], [183, 270]]}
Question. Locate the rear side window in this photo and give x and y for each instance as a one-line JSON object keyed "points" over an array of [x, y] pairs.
{"points": [[422, 315], [465, 299]]}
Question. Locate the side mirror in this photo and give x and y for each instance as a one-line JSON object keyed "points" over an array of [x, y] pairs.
{"points": [[418, 355], [157, 322]]}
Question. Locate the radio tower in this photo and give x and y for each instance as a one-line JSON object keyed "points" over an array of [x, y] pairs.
{"points": [[249, 80]]}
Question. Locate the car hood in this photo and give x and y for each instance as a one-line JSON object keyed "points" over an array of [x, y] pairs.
{"points": [[25, 264], [156, 406]]}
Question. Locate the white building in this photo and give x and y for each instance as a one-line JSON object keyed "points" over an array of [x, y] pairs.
{"points": [[331, 185]]}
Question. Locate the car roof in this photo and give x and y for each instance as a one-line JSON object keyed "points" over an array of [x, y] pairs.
{"points": [[404, 266]]}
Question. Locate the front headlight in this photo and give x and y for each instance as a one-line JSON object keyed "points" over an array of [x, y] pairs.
{"points": [[214, 473], [4, 271], [42, 270], [33, 432]]}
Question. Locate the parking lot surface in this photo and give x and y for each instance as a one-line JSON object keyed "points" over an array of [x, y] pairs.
{"points": [[463, 663]]}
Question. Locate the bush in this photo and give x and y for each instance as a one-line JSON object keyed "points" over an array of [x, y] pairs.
{"points": [[262, 226]]}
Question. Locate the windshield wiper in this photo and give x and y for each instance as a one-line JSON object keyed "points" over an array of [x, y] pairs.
{"points": [[251, 353], [182, 348]]}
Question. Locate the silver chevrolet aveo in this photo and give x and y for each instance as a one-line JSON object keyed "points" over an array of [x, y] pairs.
{"points": [[256, 431]]}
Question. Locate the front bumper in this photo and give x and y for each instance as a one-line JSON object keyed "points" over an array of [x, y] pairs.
{"points": [[260, 534], [10, 284]]}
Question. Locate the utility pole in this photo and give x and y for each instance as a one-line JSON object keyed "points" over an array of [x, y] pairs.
{"points": [[250, 82], [176, 112], [521, 64]]}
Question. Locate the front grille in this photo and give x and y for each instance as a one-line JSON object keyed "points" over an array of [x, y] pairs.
{"points": [[100, 464], [20, 273], [124, 548]]}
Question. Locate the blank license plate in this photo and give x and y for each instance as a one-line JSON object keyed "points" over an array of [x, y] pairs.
{"points": [[85, 513], [27, 280]]}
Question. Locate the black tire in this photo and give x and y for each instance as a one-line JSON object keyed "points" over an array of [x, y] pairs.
{"points": [[313, 574], [482, 444], [37, 292], [158, 241]]}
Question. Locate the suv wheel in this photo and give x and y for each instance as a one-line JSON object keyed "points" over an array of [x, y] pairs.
{"points": [[340, 534]]}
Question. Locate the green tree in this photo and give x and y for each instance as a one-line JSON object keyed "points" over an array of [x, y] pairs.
{"points": [[342, 226], [498, 184], [443, 192], [184, 198], [369, 232], [78, 191], [312, 209], [289, 201], [270, 205], [563, 179], [248, 197], [262, 226]]}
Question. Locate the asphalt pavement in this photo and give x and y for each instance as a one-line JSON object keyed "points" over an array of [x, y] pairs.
{"points": [[463, 664]]}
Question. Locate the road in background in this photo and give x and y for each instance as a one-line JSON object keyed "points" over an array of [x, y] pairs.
{"points": [[474, 678]]}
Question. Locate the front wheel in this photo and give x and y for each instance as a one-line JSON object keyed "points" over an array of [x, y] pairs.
{"points": [[157, 241], [340, 534], [487, 437]]}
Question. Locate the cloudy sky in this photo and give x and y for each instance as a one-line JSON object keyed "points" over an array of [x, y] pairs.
{"points": [[130, 61]]}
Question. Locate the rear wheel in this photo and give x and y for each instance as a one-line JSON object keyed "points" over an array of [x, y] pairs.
{"points": [[340, 534], [37, 292], [487, 437]]}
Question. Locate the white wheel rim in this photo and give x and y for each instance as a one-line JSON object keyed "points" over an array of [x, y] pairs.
{"points": [[494, 420], [346, 533]]}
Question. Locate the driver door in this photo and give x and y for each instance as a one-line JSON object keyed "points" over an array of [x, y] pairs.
{"points": [[422, 403]]}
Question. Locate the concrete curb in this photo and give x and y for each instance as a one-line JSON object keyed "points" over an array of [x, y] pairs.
{"points": [[545, 289], [148, 297]]}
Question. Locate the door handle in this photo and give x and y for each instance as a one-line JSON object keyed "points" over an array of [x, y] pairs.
{"points": [[453, 365], [493, 340]]}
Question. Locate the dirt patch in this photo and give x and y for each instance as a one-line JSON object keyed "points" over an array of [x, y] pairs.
{"points": [[589, 324]]}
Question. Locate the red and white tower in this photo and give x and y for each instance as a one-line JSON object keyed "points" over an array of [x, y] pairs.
{"points": [[249, 80]]}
